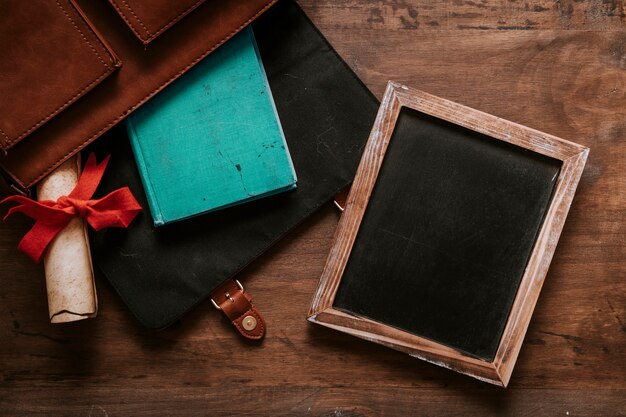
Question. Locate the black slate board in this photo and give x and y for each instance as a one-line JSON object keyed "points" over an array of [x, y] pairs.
{"points": [[326, 114], [447, 233]]}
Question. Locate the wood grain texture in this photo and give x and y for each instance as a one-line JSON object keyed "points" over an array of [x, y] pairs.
{"points": [[567, 77]]}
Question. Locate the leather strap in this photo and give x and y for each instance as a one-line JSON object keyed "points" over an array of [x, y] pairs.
{"points": [[236, 304]]}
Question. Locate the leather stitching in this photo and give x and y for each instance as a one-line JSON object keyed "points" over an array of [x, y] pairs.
{"points": [[81, 33], [143, 100], [135, 16], [150, 35], [128, 22], [5, 135], [107, 70], [176, 19], [61, 107]]}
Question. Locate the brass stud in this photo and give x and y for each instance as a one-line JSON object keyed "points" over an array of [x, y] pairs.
{"points": [[249, 323]]}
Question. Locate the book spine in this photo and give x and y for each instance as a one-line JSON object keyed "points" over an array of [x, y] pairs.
{"points": [[135, 143]]}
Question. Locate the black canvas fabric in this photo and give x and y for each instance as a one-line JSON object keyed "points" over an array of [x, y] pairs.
{"points": [[447, 233], [326, 113]]}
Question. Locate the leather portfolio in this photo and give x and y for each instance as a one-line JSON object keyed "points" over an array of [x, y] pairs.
{"points": [[326, 114], [72, 69]]}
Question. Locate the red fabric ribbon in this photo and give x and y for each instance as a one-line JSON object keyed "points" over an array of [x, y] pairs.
{"points": [[116, 209]]}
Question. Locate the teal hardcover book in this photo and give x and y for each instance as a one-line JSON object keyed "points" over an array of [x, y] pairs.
{"points": [[212, 139]]}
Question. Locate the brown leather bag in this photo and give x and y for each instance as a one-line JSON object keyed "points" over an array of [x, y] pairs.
{"points": [[72, 69]]}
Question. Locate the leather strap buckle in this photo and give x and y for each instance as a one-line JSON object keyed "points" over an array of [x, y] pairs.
{"points": [[236, 304], [227, 295]]}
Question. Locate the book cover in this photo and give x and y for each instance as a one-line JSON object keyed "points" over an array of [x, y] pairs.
{"points": [[213, 138]]}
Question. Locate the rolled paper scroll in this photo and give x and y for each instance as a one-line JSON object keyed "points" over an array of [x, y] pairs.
{"points": [[67, 260]]}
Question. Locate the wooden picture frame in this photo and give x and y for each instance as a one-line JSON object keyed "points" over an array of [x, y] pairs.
{"points": [[497, 371]]}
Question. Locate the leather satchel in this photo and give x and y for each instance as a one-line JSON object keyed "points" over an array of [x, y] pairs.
{"points": [[72, 69]]}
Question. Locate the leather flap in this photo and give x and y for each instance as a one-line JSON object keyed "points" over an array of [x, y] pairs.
{"points": [[50, 57], [149, 18]]}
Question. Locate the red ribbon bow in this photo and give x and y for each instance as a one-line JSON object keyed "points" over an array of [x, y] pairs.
{"points": [[116, 209]]}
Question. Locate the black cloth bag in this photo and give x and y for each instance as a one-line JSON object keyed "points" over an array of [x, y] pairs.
{"points": [[326, 113]]}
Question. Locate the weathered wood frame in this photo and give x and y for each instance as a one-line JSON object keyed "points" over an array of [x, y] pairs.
{"points": [[573, 157]]}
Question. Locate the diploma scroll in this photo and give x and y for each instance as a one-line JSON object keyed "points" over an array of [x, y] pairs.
{"points": [[67, 261]]}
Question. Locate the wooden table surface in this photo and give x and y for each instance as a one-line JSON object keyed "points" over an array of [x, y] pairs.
{"points": [[558, 66]]}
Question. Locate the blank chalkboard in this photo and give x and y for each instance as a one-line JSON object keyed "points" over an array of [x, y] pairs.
{"points": [[447, 233]]}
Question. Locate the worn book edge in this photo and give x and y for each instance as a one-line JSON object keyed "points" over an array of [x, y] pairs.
{"points": [[270, 98], [135, 143]]}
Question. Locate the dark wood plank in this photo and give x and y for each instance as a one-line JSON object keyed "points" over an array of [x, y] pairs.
{"points": [[567, 79], [302, 400], [411, 15]]}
